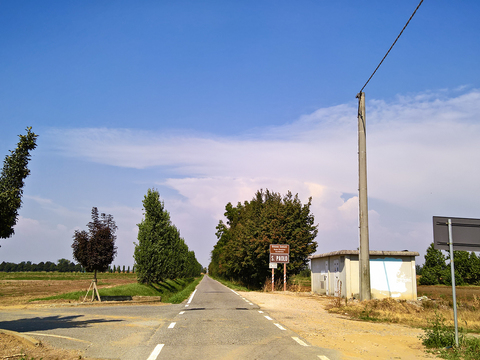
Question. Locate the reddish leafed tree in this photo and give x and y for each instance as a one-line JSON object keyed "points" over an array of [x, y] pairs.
{"points": [[96, 249]]}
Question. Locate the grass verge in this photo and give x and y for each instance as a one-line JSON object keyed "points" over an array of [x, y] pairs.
{"points": [[230, 284], [439, 339], [171, 291]]}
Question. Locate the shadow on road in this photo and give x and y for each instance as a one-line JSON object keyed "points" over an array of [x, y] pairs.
{"points": [[49, 323]]}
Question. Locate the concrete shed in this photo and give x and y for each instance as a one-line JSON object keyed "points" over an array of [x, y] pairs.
{"points": [[392, 274]]}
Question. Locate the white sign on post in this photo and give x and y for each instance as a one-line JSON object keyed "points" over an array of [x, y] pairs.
{"points": [[272, 265]]}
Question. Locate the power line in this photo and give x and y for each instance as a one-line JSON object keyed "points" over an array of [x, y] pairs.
{"points": [[391, 47]]}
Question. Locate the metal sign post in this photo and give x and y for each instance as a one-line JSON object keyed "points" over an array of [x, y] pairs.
{"points": [[280, 253], [273, 266], [452, 269], [467, 238], [273, 280]]}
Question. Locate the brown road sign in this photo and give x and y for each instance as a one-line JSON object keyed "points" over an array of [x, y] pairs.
{"points": [[280, 258], [279, 249], [280, 253]]}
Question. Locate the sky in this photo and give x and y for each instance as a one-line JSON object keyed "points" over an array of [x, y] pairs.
{"points": [[210, 101]]}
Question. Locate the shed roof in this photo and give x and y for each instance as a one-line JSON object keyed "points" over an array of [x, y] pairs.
{"points": [[371, 252]]}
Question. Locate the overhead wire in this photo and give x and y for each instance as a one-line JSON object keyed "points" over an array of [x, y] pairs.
{"points": [[391, 47]]}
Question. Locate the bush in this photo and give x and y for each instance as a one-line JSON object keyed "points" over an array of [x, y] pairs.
{"points": [[438, 335]]}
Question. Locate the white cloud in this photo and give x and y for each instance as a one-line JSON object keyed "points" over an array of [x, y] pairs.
{"points": [[422, 151]]}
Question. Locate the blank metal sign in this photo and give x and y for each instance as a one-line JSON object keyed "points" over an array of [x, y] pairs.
{"points": [[465, 233]]}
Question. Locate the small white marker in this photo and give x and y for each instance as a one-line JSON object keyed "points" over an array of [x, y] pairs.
{"points": [[268, 317], [155, 352], [171, 325], [186, 305], [260, 311], [301, 342], [181, 313], [280, 326]]}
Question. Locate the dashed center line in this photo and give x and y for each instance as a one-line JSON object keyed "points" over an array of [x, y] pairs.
{"points": [[181, 313], [280, 326], [155, 352], [323, 357], [268, 317], [301, 342], [172, 325]]}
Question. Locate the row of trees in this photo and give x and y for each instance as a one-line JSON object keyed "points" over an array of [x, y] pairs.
{"points": [[436, 270], [161, 253], [63, 265], [243, 246]]}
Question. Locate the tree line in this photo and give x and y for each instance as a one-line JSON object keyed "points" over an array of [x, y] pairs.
{"points": [[161, 253], [437, 271], [243, 247], [63, 265]]}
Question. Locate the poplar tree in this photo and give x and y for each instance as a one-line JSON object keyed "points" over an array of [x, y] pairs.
{"points": [[161, 253], [12, 178]]}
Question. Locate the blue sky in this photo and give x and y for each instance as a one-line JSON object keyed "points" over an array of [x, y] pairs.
{"points": [[210, 101]]}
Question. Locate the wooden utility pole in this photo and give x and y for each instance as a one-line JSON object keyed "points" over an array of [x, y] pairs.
{"points": [[364, 258]]}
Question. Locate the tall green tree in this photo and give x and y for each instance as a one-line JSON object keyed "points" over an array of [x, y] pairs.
{"points": [[12, 178], [96, 249], [243, 247], [161, 253], [435, 269]]}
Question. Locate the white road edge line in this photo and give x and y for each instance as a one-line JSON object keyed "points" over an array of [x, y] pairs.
{"points": [[280, 326], [268, 317], [171, 325], [323, 357], [301, 342], [156, 352], [58, 336], [191, 297]]}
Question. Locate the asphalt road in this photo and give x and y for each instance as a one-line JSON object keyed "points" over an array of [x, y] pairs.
{"points": [[215, 323]]}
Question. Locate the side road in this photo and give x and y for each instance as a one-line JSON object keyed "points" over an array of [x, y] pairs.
{"points": [[305, 314]]}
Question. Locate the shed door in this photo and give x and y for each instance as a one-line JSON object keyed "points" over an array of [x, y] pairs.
{"points": [[336, 277], [326, 276]]}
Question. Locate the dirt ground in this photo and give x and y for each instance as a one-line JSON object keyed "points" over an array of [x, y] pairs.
{"points": [[306, 315], [301, 312], [20, 292], [12, 348]]}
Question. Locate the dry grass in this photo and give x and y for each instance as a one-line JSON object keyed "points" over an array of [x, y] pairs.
{"points": [[417, 313], [294, 285]]}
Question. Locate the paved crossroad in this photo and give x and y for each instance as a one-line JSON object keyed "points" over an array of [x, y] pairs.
{"points": [[215, 323]]}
